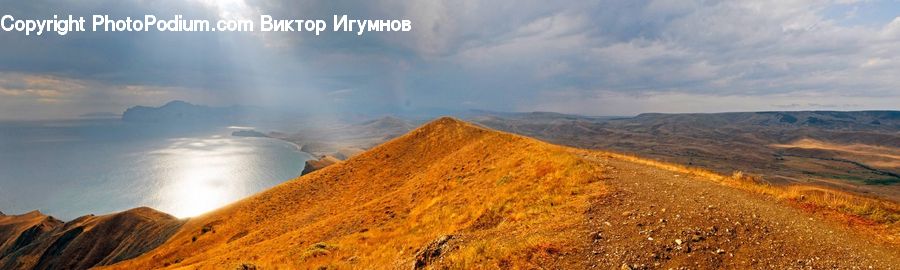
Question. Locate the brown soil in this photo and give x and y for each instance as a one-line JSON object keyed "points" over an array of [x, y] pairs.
{"points": [[651, 210], [317, 164]]}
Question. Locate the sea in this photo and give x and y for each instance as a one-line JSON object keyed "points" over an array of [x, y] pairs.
{"points": [[70, 168]]}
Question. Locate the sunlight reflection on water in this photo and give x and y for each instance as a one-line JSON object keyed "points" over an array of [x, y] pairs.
{"points": [[206, 173], [75, 168]]}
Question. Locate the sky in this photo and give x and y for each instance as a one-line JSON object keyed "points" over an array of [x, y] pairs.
{"points": [[584, 57]]}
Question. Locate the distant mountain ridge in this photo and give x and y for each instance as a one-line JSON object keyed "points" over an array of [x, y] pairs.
{"points": [[853, 150], [875, 119], [183, 112], [880, 120]]}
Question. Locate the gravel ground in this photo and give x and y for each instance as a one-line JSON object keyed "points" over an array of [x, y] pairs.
{"points": [[659, 219]]}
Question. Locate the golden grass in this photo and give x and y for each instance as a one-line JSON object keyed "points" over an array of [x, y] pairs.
{"points": [[509, 202], [878, 216]]}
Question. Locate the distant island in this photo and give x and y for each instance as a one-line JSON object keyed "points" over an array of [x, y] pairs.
{"points": [[183, 112], [249, 133]]}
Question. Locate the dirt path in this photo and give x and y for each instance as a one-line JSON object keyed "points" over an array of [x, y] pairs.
{"points": [[659, 219]]}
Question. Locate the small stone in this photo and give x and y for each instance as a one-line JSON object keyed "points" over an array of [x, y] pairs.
{"points": [[720, 251], [678, 241]]}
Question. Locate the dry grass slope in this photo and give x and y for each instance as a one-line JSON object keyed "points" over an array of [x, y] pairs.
{"points": [[875, 216], [450, 194], [494, 199], [84, 242], [16, 231]]}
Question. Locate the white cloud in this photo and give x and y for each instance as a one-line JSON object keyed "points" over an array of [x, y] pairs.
{"points": [[503, 55], [891, 31], [62, 97]]}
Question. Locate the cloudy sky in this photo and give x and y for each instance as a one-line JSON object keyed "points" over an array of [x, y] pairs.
{"points": [[587, 57]]}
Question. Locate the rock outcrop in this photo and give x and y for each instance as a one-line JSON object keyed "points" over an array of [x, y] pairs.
{"points": [[317, 164]]}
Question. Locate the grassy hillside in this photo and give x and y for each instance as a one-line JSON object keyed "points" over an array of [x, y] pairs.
{"points": [[450, 194], [500, 199], [36, 241]]}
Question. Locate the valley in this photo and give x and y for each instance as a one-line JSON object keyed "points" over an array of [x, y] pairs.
{"points": [[853, 151]]}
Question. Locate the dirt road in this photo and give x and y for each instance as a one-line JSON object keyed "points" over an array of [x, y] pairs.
{"points": [[659, 219]]}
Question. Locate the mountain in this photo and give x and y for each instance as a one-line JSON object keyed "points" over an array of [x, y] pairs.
{"points": [[37, 241], [317, 164], [17, 231], [451, 194], [854, 151], [183, 112], [829, 120], [535, 116]]}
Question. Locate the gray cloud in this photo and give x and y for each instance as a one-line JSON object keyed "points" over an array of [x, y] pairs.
{"points": [[569, 56]]}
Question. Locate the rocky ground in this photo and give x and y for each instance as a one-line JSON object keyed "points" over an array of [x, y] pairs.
{"points": [[659, 219]]}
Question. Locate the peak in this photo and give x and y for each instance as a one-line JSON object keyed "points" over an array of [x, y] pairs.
{"points": [[145, 212], [445, 133], [446, 124], [447, 120], [34, 213], [178, 103]]}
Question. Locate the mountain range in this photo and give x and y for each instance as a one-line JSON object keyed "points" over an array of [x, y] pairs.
{"points": [[854, 151], [451, 194]]}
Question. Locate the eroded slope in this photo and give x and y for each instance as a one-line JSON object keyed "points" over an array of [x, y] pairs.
{"points": [[36, 241]]}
